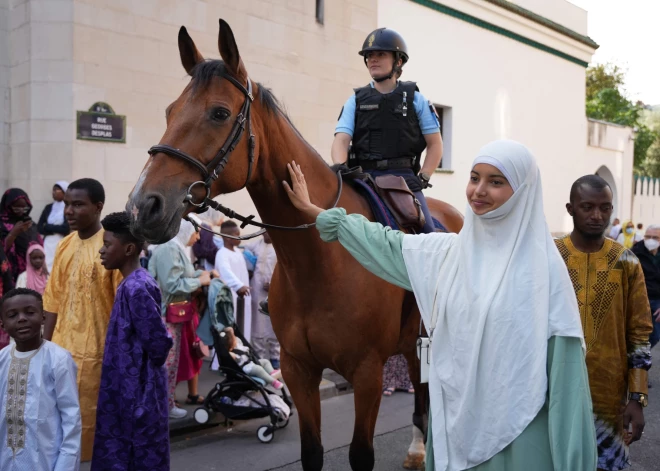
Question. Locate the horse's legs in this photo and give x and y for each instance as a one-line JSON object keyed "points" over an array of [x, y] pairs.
{"points": [[417, 451], [303, 382], [367, 384]]}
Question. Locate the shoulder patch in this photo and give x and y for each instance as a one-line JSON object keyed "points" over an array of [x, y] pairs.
{"points": [[435, 113]]}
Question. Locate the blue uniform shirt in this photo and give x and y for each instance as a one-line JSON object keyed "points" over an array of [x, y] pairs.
{"points": [[427, 118]]}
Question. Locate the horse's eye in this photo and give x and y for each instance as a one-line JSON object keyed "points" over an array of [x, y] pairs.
{"points": [[220, 114]]}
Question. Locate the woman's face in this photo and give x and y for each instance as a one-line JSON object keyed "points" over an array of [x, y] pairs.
{"points": [[37, 259], [193, 239], [58, 194], [487, 189], [630, 226], [379, 63], [20, 208]]}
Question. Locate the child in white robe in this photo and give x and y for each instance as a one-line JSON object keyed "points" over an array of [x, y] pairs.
{"points": [[40, 425], [230, 264]]}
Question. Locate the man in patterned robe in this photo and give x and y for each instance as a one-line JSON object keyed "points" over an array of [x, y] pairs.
{"points": [[79, 297], [616, 319]]}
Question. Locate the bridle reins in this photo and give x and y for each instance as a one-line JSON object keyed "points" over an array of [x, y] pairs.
{"points": [[211, 171]]}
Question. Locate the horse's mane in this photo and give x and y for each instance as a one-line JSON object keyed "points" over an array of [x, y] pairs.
{"points": [[204, 72]]}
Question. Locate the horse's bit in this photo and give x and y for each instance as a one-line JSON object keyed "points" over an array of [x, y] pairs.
{"points": [[212, 170]]}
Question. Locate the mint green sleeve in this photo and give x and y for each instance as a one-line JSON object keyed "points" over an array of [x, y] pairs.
{"points": [[376, 248], [571, 421]]}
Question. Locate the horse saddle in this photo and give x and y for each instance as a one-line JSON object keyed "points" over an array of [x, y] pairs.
{"points": [[392, 202]]}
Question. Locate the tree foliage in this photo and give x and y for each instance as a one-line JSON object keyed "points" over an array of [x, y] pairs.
{"points": [[607, 100]]}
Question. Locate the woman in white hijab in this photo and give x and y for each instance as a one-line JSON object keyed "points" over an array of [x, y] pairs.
{"points": [[171, 267], [52, 225], [508, 381]]}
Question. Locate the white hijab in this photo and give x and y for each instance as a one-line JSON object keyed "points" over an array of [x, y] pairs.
{"points": [[500, 290], [56, 215], [186, 230]]}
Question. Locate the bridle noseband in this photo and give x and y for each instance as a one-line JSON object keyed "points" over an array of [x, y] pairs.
{"points": [[212, 170]]}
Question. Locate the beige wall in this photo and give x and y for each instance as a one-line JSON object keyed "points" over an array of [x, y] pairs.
{"points": [[126, 54], [646, 202], [610, 153], [41, 114], [4, 91]]}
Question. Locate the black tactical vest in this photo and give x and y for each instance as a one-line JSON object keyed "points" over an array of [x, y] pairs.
{"points": [[386, 125]]}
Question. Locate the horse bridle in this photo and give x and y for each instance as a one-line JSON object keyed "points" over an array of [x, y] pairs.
{"points": [[211, 171]]}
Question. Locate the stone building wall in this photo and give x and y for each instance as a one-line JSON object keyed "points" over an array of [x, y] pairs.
{"points": [[126, 54], [64, 55]]}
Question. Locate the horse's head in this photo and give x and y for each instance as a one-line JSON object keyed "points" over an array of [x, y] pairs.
{"points": [[203, 127]]}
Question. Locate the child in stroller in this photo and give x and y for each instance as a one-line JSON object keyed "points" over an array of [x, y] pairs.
{"points": [[249, 363], [240, 396]]}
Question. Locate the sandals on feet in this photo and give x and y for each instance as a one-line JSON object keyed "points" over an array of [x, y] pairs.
{"points": [[388, 392], [196, 399]]}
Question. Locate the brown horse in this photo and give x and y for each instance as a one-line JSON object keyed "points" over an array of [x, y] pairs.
{"points": [[327, 311]]}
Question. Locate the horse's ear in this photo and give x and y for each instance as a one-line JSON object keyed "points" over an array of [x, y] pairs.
{"points": [[190, 56], [229, 51]]}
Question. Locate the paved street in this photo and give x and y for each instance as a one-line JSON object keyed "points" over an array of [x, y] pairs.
{"points": [[237, 447]]}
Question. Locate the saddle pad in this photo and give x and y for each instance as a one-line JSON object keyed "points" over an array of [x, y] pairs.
{"points": [[378, 208], [381, 212]]}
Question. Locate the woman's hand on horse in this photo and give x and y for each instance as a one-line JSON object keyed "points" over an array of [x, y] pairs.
{"points": [[298, 192]]}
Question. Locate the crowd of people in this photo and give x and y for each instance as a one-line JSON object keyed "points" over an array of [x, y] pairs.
{"points": [[97, 329], [105, 383]]}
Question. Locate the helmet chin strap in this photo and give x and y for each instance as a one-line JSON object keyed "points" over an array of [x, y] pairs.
{"points": [[386, 77]]}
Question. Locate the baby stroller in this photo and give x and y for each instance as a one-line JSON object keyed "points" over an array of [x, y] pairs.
{"points": [[239, 396]]}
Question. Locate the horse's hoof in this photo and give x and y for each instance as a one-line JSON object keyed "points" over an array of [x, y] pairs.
{"points": [[414, 461]]}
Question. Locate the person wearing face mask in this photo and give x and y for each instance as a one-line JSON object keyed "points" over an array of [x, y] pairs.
{"points": [[646, 251], [627, 238], [17, 230], [508, 383]]}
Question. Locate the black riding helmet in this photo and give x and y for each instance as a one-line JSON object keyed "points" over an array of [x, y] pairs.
{"points": [[384, 39]]}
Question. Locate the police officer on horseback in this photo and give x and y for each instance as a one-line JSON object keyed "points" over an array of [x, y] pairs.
{"points": [[389, 122]]}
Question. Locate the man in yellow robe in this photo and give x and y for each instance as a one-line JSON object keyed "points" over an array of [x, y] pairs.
{"points": [[79, 297], [616, 319]]}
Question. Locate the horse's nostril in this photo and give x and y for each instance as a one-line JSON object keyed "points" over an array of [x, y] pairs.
{"points": [[153, 207]]}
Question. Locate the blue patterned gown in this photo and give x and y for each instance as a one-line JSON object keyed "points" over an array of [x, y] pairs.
{"points": [[132, 429]]}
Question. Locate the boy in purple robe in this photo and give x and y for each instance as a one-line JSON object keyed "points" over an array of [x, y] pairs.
{"points": [[132, 425]]}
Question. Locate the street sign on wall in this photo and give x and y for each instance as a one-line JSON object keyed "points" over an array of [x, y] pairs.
{"points": [[101, 123]]}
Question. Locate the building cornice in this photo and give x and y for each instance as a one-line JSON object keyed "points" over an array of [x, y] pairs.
{"points": [[439, 7], [542, 20]]}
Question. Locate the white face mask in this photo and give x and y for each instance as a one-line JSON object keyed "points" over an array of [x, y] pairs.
{"points": [[629, 230], [651, 244]]}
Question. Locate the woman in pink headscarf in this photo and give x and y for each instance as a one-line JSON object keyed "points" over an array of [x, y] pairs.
{"points": [[35, 275]]}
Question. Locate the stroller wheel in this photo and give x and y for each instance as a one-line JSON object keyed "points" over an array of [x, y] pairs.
{"points": [[282, 423], [265, 434], [201, 415]]}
